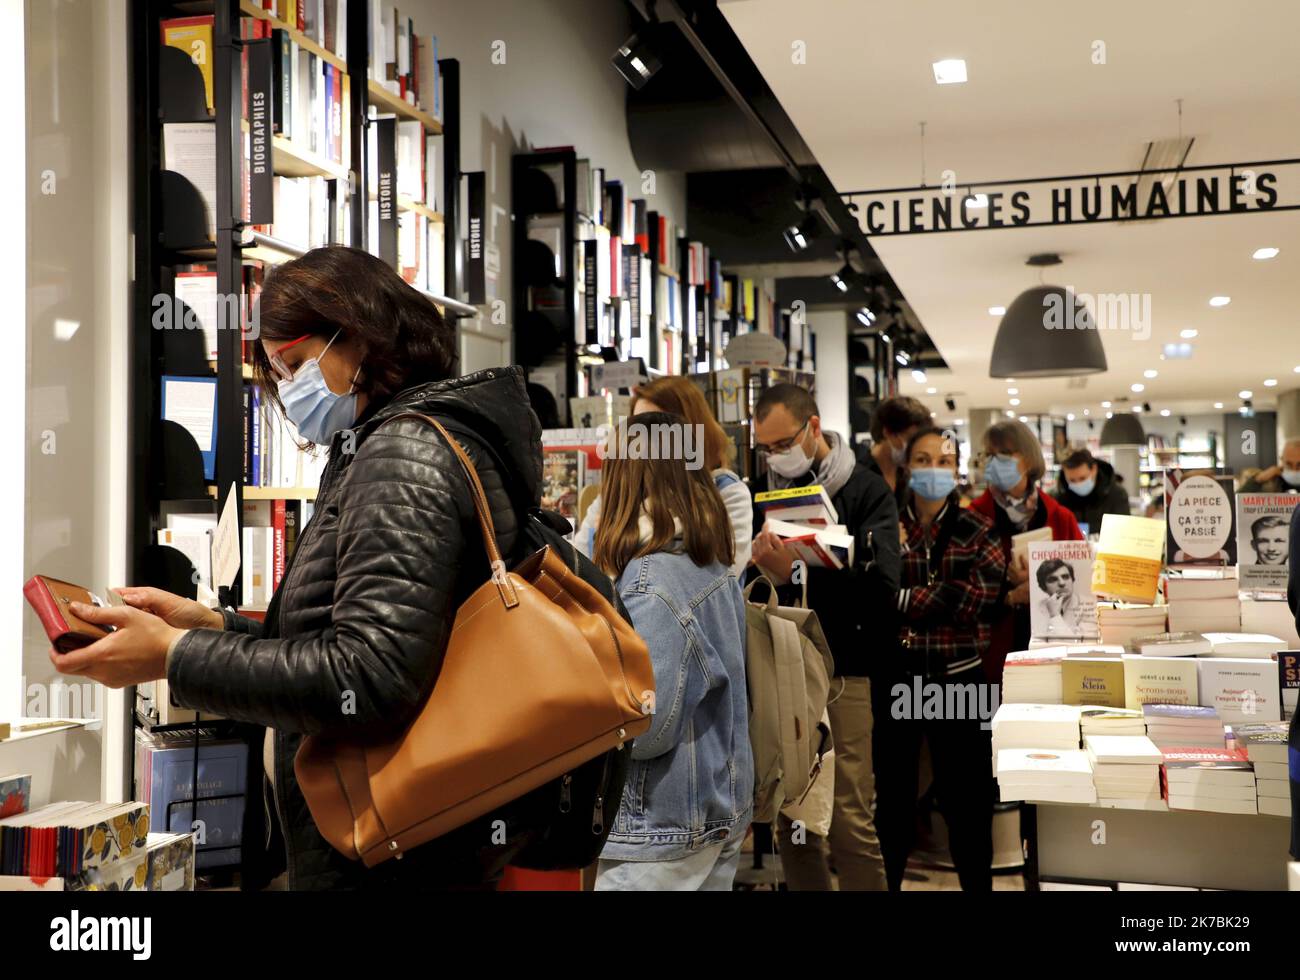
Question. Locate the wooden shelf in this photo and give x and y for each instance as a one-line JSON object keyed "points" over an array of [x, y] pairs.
{"points": [[302, 40], [290, 159], [386, 101], [405, 203]]}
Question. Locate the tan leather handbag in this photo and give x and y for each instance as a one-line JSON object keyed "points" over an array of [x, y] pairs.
{"points": [[540, 674]]}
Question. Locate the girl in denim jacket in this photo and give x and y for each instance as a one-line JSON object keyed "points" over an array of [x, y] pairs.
{"points": [[665, 537]]}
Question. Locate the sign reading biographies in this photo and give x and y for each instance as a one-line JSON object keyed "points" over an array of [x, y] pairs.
{"points": [[1264, 540], [1201, 520], [1131, 195], [261, 176]]}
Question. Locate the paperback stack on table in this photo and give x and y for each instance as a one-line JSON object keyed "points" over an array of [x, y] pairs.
{"points": [[1125, 770], [1035, 726], [1272, 617], [1173, 726], [1159, 680], [1265, 746], [1241, 689], [1204, 602], [1095, 720], [1121, 622], [1184, 644], [1244, 644], [1033, 676], [1219, 780], [1045, 775]]}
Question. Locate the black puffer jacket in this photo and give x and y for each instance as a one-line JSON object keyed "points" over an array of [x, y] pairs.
{"points": [[1107, 497], [355, 635]]}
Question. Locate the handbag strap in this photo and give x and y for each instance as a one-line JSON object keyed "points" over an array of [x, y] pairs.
{"points": [[504, 586]]}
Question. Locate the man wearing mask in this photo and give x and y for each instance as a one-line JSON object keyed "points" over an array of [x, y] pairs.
{"points": [[1282, 478], [1087, 488], [892, 424], [856, 607]]}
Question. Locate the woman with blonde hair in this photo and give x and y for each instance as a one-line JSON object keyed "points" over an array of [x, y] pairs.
{"points": [[682, 397], [666, 540]]}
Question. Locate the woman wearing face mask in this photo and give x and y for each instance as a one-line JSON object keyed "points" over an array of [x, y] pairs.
{"points": [[1013, 469], [951, 581], [354, 637]]}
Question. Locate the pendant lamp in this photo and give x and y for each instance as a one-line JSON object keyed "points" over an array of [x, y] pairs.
{"points": [[1123, 429], [1046, 332]]}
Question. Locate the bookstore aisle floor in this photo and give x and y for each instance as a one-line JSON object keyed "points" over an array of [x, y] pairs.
{"points": [[651, 445]]}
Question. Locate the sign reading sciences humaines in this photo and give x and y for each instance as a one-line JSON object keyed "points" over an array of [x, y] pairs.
{"points": [[954, 205], [1264, 539]]}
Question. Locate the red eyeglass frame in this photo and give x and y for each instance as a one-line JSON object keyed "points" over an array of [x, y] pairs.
{"points": [[276, 359]]}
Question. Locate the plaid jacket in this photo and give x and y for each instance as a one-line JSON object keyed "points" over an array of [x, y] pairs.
{"points": [[946, 624]]}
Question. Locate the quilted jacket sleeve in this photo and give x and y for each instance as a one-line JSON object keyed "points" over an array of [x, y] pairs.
{"points": [[404, 509]]}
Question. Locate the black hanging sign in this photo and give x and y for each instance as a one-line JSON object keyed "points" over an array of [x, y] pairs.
{"points": [[261, 174], [476, 213], [386, 170], [1125, 195]]}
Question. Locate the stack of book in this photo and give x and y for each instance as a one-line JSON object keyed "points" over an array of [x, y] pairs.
{"points": [[805, 519], [67, 839], [1121, 622], [165, 778], [1033, 676], [1200, 604], [1045, 776], [1183, 725], [1241, 689], [1244, 644], [1272, 617], [1265, 746], [1035, 726], [1159, 680], [1125, 770], [1111, 721], [1184, 644], [1219, 780]]}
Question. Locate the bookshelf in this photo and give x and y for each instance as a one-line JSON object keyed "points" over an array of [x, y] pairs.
{"points": [[386, 101]]}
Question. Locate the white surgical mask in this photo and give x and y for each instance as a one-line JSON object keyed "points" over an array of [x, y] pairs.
{"points": [[792, 463]]}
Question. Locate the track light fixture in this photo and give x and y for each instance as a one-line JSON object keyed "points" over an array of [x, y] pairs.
{"points": [[637, 59], [798, 236], [951, 403], [844, 277]]}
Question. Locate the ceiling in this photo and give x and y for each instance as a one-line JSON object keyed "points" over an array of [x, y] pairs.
{"points": [[1036, 105]]}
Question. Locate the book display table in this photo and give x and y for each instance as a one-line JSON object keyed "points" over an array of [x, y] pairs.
{"points": [[1191, 848]]}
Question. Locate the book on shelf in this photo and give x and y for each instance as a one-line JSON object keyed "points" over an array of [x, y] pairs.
{"points": [[193, 36], [165, 779], [190, 150], [15, 791], [402, 62]]}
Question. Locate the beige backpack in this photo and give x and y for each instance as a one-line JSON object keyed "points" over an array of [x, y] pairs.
{"points": [[788, 667]]}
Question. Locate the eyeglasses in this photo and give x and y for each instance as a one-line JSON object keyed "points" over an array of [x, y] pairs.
{"points": [[277, 359], [779, 447]]}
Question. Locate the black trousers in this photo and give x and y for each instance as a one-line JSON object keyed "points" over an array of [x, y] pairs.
{"points": [[960, 754]]}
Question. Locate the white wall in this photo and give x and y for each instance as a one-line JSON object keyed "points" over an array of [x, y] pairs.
{"points": [[832, 330], [555, 88]]}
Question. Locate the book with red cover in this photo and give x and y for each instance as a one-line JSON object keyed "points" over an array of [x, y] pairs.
{"points": [[50, 597], [277, 531]]}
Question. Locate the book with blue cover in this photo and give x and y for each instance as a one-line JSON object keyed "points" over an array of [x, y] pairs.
{"points": [[222, 783]]}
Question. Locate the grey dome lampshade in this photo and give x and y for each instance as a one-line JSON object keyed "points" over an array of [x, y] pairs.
{"points": [[1046, 333], [1123, 429]]}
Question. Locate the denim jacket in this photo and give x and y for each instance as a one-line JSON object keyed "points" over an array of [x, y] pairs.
{"points": [[690, 782]]}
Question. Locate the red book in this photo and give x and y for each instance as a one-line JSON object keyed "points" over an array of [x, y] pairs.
{"points": [[277, 530], [302, 15], [338, 114]]}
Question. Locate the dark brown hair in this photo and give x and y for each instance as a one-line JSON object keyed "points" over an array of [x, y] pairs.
{"points": [[1080, 457], [400, 335], [798, 401], [934, 430], [896, 415], [678, 395], [666, 488]]}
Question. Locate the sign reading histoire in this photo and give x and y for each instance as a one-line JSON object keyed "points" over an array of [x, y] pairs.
{"points": [[475, 213], [386, 188], [1129, 195]]}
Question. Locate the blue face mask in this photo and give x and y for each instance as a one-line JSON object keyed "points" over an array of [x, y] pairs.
{"points": [[1002, 472], [1291, 478], [310, 405], [933, 484], [1084, 487]]}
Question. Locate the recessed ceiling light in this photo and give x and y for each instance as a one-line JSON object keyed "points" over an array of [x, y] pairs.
{"points": [[1220, 300], [1110, 415], [1218, 404], [1270, 382], [997, 311], [1165, 412], [1013, 391], [1024, 418], [1069, 417], [1011, 381], [1010, 414], [932, 391], [918, 375], [1087, 411], [1137, 387], [934, 415], [1245, 393], [1150, 373], [1014, 401], [950, 71], [1267, 252], [1137, 408], [1105, 404], [958, 421], [1296, 369], [1188, 334]]}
